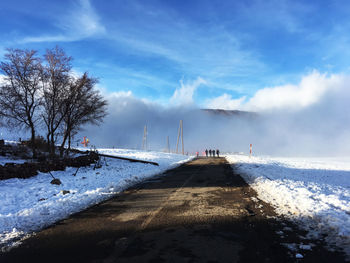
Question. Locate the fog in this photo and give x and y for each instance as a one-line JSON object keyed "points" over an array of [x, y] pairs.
{"points": [[319, 129], [311, 118]]}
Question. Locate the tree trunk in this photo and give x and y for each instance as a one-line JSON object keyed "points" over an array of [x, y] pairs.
{"points": [[48, 142], [52, 145], [33, 140], [69, 140], [63, 143]]}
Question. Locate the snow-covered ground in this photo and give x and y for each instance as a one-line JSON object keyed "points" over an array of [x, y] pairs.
{"points": [[6, 159], [28, 205], [315, 191]]}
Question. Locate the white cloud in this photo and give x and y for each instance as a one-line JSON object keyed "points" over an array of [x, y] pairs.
{"points": [[82, 22], [311, 89], [2, 79], [294, 97], [121, 94], [225, 102], [39, 39], [184, 94]]}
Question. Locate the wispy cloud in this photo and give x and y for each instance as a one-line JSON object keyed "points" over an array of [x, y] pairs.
{"points": [[184, 94], [82, 22], [47, 38], [237, 47], [210, 50], [276, 14]]}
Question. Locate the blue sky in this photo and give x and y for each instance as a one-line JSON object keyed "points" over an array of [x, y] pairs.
{"points": [[165, 51]]}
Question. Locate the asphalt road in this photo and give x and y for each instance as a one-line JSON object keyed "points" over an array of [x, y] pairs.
{"points": [[201, 211]]}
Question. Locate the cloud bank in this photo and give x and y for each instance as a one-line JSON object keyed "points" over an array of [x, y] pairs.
{"points": [[311, 118], [311, 90]]}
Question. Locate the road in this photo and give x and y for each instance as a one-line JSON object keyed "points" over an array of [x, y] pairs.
{"points": [[201, 211]]}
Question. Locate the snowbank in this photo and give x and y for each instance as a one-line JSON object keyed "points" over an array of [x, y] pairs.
{"points": [[313, 190], [28, 205]]}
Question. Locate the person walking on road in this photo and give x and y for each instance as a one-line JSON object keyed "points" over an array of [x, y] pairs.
{"points": [[210, 153], [206, 152], [213, 151], [217, 152]]}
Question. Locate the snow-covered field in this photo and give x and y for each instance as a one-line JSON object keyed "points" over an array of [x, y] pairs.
{"points": [[28, 205], [315, 191]]}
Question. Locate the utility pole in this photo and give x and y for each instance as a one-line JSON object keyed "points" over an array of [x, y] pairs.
{"points": [[180, 134], [167, 144], [144, 139], [182, 138]]}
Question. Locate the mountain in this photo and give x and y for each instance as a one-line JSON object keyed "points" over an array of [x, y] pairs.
{"points": [[229, 113]]}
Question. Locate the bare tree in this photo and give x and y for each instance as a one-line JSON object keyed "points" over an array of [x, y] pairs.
{"points": [[19, 96], [56, 82], [84, 105]]}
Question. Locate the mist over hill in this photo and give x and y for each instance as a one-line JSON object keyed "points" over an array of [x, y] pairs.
{"points": [[202, 128], [311, 132], [317, 126]]}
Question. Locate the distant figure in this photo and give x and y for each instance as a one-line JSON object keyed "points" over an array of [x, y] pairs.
{"points": [[197, 153], [206, 152], [210, 153], [213, 151], [217, 152]]}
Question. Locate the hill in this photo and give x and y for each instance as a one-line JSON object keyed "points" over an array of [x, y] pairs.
{"points": [[231, 112]]}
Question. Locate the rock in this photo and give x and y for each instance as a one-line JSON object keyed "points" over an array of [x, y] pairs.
{"points": [[56, 181]]}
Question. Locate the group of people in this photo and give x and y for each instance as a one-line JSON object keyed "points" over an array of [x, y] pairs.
{"points": [[212, 153]]}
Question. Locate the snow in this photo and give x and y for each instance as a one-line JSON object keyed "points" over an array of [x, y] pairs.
{"points": [[305, 247], [7, 159], [315, 191], [312, 191], [299, 255], [28, 205]]}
